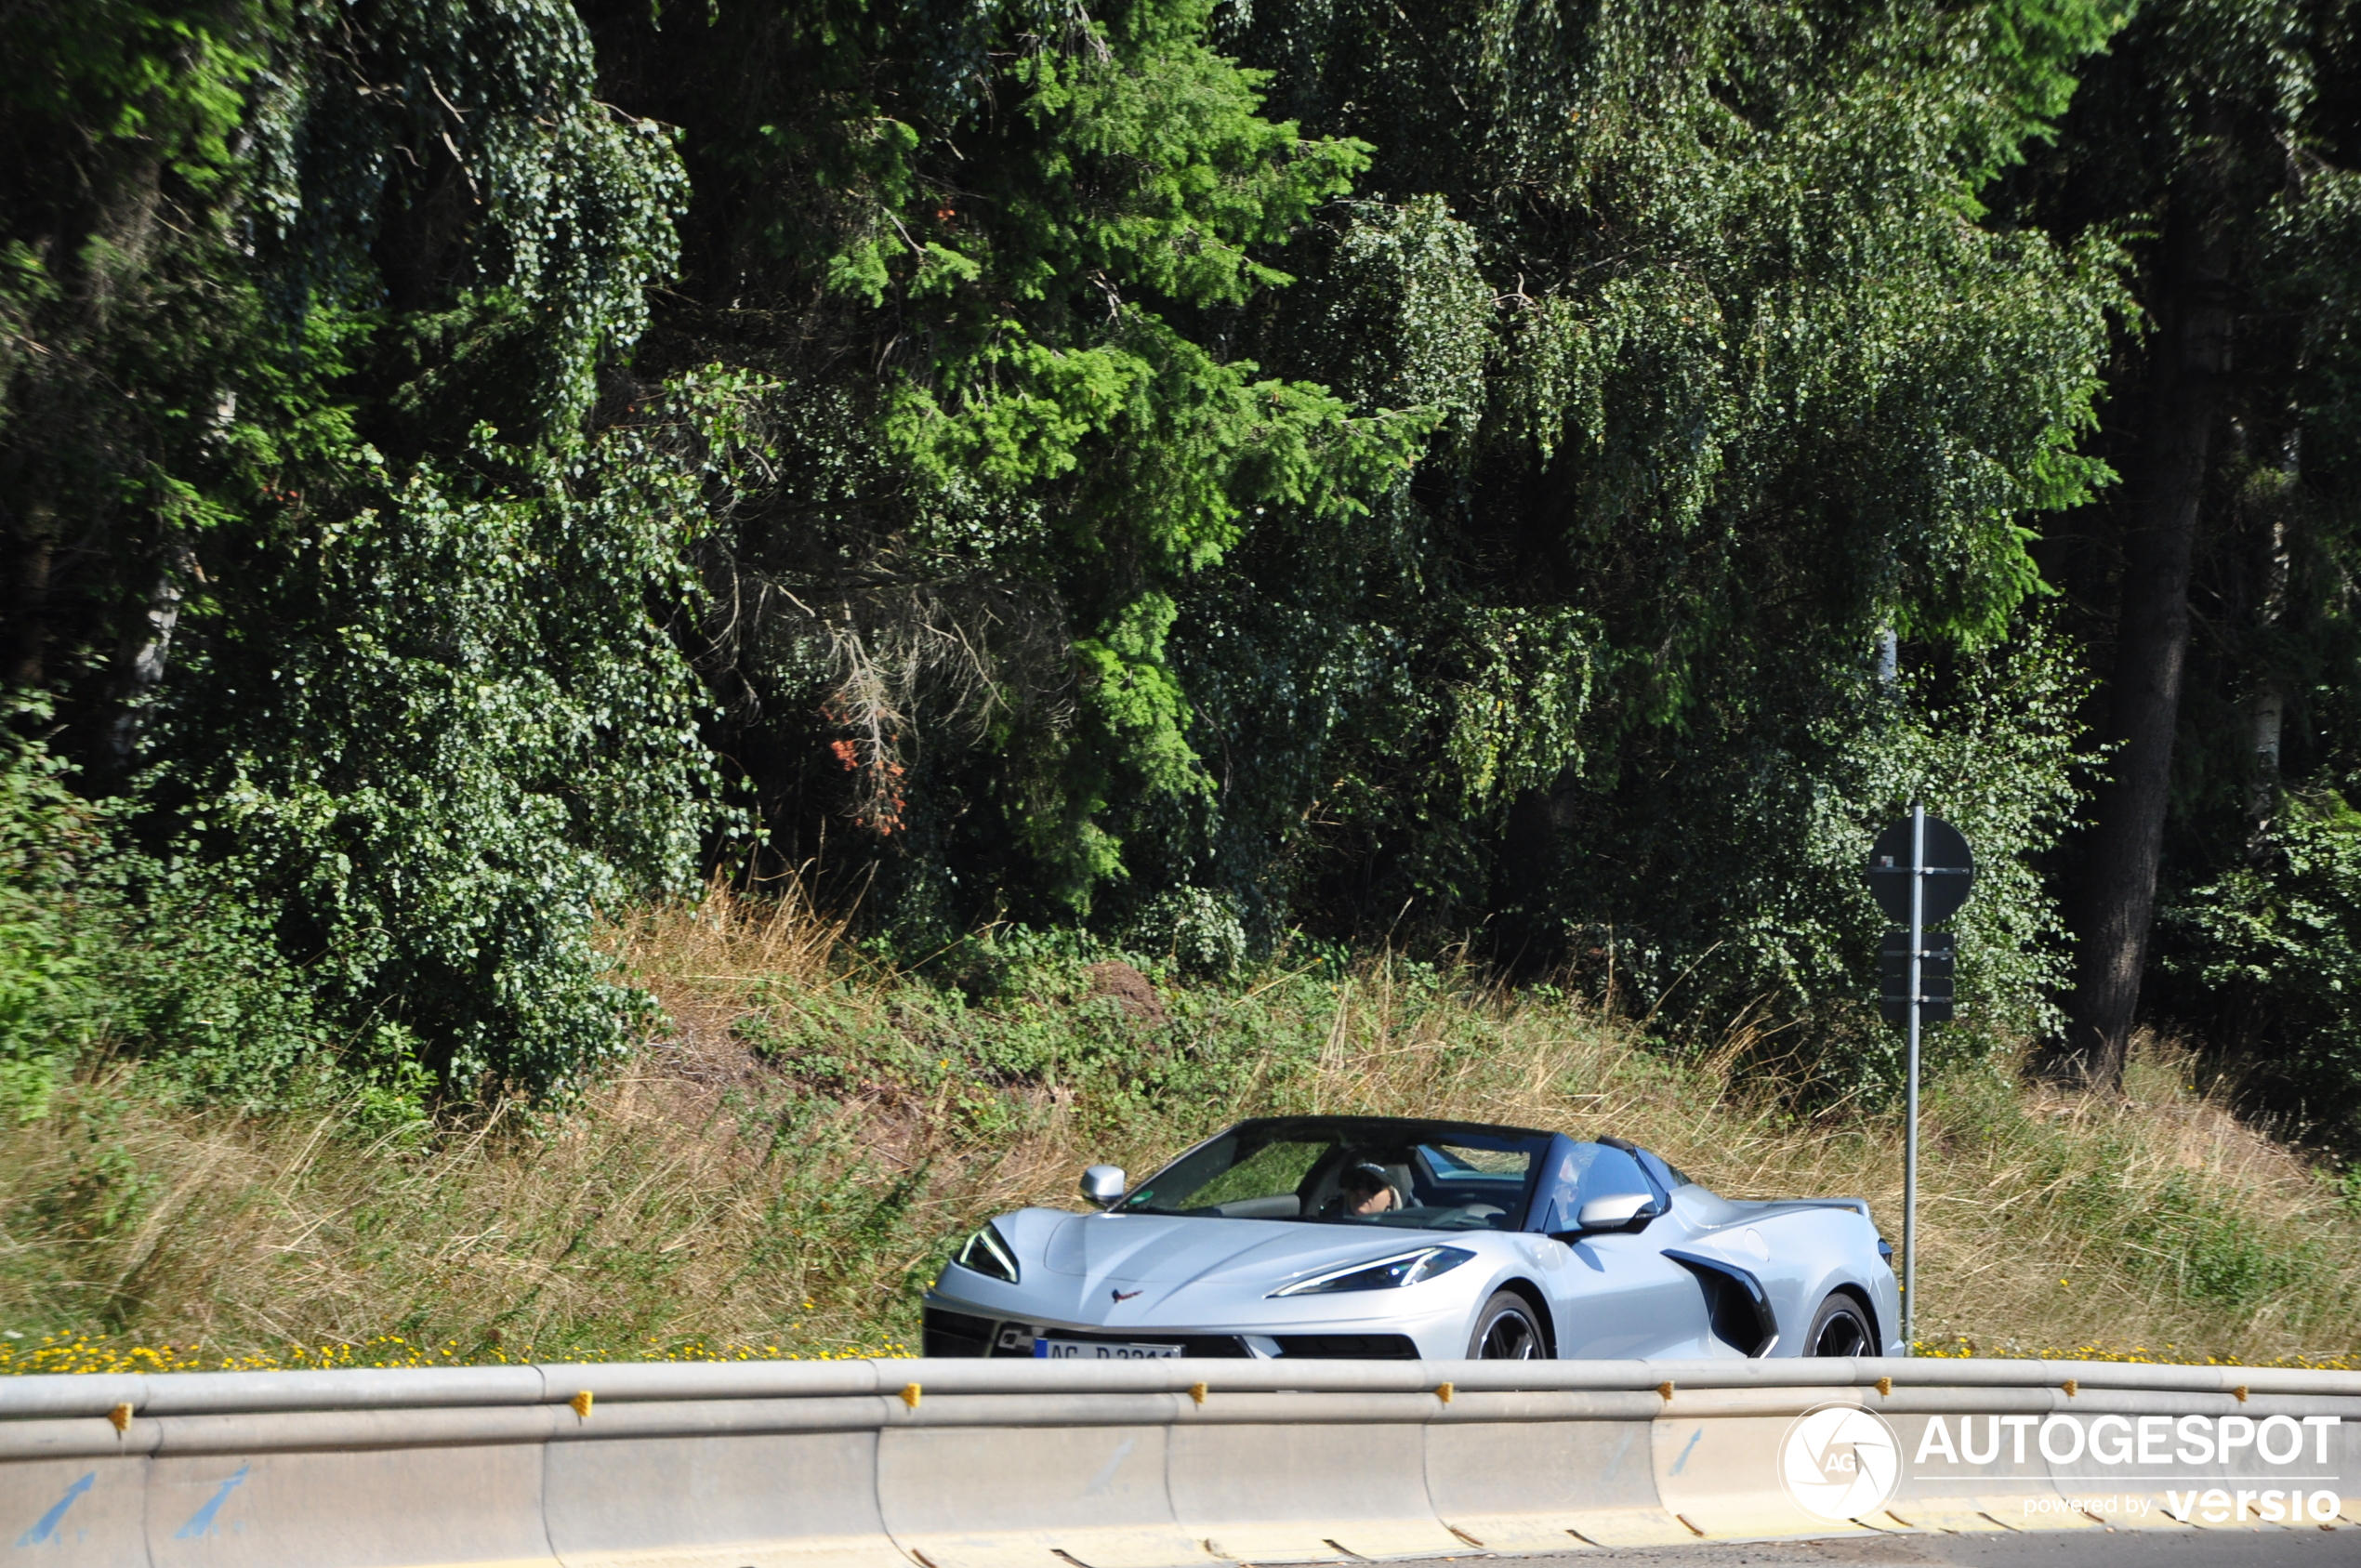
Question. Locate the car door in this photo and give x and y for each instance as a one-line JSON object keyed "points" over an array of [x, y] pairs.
{"points": [[1621, 1296]]}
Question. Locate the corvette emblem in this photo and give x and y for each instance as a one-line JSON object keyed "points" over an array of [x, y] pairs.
{"points": [[1125, 1295]]}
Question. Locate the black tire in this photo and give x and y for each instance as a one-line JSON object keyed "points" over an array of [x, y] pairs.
{"points": [[1508, 1329], [1839, 1328]]}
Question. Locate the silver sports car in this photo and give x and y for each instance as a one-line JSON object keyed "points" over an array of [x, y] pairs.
{"points": [[1364, 1236]]}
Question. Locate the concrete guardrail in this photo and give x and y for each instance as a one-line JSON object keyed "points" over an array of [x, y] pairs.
{"points": [[1164, 1463]]}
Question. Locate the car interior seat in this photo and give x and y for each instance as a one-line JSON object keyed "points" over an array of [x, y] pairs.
{"points": [[1324, 1185]]}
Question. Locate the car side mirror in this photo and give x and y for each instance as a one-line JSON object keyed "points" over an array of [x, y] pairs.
{"points": [[1103, 1185], [1615, 1211]]}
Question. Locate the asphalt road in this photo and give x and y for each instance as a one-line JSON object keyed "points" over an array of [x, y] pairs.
{"points": [[2047, 1549]]}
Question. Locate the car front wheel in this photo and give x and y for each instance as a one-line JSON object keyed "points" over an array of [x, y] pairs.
{"points": [[1839, 1329], [1505, 1330]]}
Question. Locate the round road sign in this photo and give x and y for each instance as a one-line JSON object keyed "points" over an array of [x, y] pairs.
{"points": [[1952, 871]]}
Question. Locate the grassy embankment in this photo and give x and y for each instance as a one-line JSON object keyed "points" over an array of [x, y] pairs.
{"points": [[781, 1175]]}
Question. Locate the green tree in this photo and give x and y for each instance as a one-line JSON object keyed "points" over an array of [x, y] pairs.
{"points": [[1735, 382], [1099, 573], [2210, 589], [995, 255], [351, 584]]}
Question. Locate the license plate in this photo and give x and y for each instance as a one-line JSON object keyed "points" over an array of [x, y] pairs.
{"points": [[1046, 1348]]}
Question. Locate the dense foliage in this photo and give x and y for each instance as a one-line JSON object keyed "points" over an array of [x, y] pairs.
{"points": [[2220, 139], [1555, 477], [1705, 396], [348, 590]]}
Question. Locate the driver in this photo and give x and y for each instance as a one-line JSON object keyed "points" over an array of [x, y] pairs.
{"points": [[1366, 1189]]}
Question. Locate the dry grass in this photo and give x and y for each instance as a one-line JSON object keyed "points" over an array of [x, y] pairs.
{"points": [[787, 1166]]}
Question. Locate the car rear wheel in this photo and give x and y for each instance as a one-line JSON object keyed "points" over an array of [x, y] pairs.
{"points": [[1505, 1330], [1839, 1329]]}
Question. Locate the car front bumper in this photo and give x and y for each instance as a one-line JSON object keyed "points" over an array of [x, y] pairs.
{"points": [[955, 1328]]}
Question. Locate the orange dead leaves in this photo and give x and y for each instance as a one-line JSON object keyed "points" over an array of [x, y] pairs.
{"points": [[878, 797]]}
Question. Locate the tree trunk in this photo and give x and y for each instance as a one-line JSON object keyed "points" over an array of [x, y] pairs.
{"points": [[140, 665], [2167, 487], [35, 543]]}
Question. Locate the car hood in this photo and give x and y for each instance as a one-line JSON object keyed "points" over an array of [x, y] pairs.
{"points": [[1174, 1250]]}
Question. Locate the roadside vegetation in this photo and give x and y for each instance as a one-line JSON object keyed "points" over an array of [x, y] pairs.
{"points": [[1178, 473], [782, 1170], [1116, 488]]}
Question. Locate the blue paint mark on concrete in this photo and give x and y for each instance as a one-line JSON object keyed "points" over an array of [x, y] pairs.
{"points": [[1100, 1483], [1623, 1451], [1689, 1450], [201, 1522], [48, 1525]]}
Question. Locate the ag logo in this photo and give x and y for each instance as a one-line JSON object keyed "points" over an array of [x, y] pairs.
{"points": [[1839, 1461]]}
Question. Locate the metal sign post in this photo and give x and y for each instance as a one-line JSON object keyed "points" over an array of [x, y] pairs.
{"points": [[1910, 1127], [1928, 848]]}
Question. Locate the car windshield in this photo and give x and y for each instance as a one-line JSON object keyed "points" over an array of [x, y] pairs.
{"points": [[1353, 1170]]}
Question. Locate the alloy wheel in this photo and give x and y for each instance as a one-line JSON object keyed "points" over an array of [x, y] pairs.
{"points": [[1841, 1334], [1510, 1336]]}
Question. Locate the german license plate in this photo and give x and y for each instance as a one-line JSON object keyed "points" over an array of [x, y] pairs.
{"points": [[1046, 1348]]}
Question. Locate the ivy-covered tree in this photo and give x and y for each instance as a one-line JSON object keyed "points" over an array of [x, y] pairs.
{"points": [[349, 584]]}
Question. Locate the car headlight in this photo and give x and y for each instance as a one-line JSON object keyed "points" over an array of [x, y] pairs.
{"points": [[988, 1253], [1387, 1273]]}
